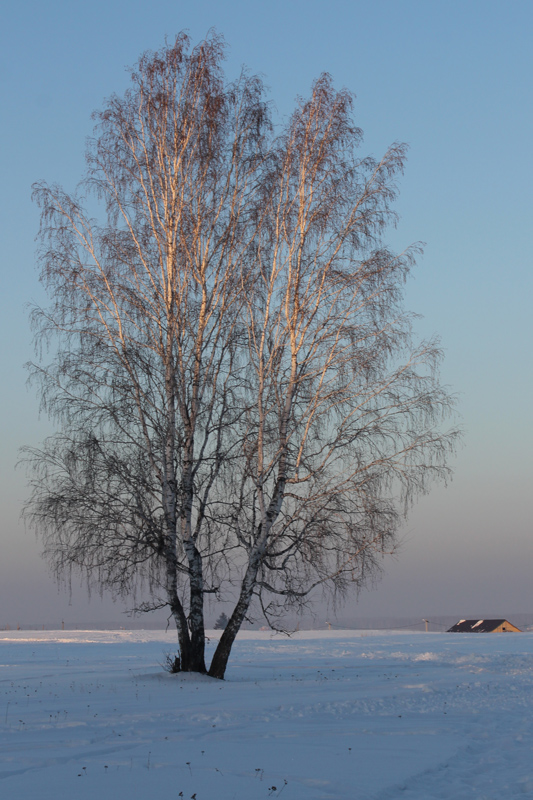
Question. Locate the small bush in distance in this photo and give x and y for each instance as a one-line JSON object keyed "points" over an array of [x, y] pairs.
{"points": [[221, 622]]}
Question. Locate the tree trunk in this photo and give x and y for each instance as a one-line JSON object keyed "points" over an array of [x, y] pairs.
{"points": [[184, 640], [222, 653], [196, 615]]}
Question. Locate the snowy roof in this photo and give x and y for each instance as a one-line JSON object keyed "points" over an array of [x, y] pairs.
{"points": [[480, 626]]}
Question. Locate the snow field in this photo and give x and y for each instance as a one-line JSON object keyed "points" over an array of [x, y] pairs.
{"points": [[321, 715]]}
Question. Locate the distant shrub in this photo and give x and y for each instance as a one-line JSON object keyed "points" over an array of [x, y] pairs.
{"points": [[221, 622]]}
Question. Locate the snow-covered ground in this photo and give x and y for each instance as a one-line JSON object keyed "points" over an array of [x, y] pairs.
{"points": [[321, 715]]}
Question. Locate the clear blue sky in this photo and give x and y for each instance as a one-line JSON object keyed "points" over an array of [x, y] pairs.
{"points": [[452, 79]]}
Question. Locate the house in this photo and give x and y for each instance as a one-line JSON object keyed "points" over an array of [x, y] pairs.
{"points": [[483, 626]]}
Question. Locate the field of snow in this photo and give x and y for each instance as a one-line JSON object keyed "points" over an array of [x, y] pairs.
{"points": [[320, 715]]}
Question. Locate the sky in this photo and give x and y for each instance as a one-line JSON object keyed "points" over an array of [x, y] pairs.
{"points": [[451, 79]]}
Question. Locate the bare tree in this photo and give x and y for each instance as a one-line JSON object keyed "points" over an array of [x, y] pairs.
{"points": [[342, 431], [145, 308], [239, 400]]}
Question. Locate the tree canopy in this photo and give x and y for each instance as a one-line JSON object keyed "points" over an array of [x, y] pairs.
{"points": [[241, 408]]}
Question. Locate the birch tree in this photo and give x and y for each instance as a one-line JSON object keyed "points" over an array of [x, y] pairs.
{"points": [[241, 408], [145, 308], [344, 428]]}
